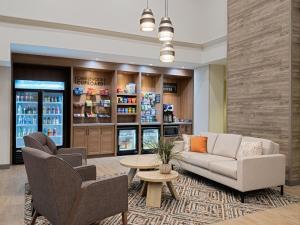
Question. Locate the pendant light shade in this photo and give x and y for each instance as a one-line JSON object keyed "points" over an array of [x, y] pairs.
{"points": [[147, 21], [167, 53], [165, 30]]}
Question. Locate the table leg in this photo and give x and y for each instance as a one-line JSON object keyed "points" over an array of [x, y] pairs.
{"points": [[131, 175], [172, 190], [154, 194], [144, 189]]}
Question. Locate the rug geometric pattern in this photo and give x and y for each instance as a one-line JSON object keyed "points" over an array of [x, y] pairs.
{"points": [[201, 202]]}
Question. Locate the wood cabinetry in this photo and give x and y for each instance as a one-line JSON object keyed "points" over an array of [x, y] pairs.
{"points": [[97, 139]]}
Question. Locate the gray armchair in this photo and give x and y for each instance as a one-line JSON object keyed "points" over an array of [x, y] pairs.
{"points": [[74, 156], [71, 196]]}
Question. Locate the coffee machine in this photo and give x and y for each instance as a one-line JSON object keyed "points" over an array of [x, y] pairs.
{"points": [[168, 113]]}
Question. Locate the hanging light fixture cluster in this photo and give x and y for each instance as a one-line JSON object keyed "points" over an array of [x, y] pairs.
{"points": [[165, 32]]}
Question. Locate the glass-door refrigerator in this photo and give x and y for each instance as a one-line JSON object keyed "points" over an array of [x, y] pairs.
{"points": [[150, 138], [127, 140], [39, 106]]}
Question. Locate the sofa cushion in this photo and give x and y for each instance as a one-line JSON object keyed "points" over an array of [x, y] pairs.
{"points": [[268, 146], [202, 159], [248, 149], [187, 142], [227, 145], [198, 144], [211, 140], [227, 168]]}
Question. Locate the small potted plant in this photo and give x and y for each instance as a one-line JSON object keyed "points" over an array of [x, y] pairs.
{"points": [[166, 152]]}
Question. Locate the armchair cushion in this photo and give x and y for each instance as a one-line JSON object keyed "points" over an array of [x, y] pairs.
{"points": [[81, 151], [87, 172], [73, 159]]}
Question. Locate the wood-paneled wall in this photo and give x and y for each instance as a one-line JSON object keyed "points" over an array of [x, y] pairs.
{"points": [[259, 75], [295, 149]]}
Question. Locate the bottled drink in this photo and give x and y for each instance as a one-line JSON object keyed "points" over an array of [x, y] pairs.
{"points": [[49, 133], [24, 110], [53, 110], [18, 98], [48, 120], [54, 132], [19, 109]]}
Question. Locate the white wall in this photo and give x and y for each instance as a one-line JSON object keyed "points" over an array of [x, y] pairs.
{"points": [[195, 21], [5, 112], [201, 99]]}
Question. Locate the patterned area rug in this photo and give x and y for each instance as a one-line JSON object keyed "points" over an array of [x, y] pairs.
{"points": [[201, 202]]}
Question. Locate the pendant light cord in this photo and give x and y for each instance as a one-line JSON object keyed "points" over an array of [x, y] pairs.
{"points": [[166, 8], [147, 4]]}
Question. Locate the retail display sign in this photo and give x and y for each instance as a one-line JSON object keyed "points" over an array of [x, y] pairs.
{"points": [[93, 81], [170, 87]]}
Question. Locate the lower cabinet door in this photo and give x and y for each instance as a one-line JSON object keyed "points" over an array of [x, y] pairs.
{"points": [[93, 140], [79, 137], [107, 140]]}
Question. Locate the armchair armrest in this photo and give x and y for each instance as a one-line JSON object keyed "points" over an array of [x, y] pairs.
{"points": [[107, 197], [261, 171], [73, 159], [87, 172], [72, 150]]}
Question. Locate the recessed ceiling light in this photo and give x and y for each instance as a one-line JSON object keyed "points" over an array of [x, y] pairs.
{"points": [[182, 67], [97, 59], [150, 64]]}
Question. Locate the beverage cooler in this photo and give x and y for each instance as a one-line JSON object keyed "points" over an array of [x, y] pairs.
{"points": [[127, 140], [39, 106], [150, 137]]}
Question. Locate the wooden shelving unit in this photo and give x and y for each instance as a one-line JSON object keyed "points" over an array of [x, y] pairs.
{"points": [[98, 134]]}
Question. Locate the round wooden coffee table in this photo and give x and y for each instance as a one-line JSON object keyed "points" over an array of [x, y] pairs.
{"points": [[153, 181], [141, 162]]}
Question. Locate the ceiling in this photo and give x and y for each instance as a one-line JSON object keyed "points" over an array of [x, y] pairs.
{"points": [[195, 21]]}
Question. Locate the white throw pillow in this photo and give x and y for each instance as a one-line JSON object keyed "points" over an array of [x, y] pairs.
{"points": [[248, 149], [187, 142]]}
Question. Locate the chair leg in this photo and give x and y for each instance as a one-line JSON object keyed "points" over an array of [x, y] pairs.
{"points": [[242, 197], [124, 218], [281, 189], [35, 215]]}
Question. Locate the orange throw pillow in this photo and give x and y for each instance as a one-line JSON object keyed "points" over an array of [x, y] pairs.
{"points": [[199, 144]]}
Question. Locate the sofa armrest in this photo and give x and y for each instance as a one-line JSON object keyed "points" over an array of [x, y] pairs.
{"points": [[106, 197], [73, 159], [87, 172], [261, 172], [74, 150]]}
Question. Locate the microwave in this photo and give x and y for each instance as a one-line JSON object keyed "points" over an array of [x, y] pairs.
{"points": [[171, 131]]}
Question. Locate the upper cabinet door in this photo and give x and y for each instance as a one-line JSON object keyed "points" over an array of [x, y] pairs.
{"points": [[107, 140], [79, 137], [93, 140]]}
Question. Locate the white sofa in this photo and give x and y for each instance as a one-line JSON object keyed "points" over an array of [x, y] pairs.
{"points": [[221, 165]]}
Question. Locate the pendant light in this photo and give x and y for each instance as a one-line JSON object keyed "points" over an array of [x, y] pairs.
{"points": [[167, 53], [166, 30], [147, 21]]}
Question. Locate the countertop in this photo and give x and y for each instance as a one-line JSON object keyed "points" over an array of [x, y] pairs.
{"points": [[92, 124]]}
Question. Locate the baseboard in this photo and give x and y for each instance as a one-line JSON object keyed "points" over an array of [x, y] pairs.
{"points": [[293, 182], [5, 166]]}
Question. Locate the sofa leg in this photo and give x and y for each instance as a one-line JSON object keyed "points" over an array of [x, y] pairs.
{"points": [[124, 218], [281, 189], [242, 197]]}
